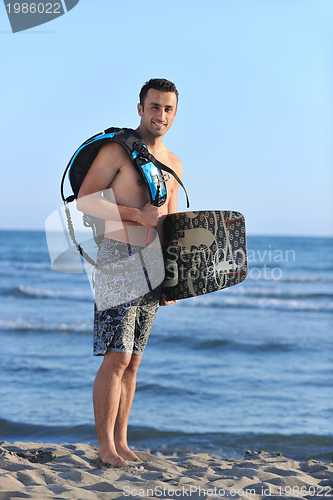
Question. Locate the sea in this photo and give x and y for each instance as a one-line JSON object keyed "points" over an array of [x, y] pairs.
{"points": [[245, 368]]}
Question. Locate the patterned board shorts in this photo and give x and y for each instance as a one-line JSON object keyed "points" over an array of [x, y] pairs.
{"points": [[122, 323]]}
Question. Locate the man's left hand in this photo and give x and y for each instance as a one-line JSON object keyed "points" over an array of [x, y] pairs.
{"points": [[164, 302]]}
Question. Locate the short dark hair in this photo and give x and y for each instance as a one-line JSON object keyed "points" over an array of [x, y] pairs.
{"points": [[158, 84]]}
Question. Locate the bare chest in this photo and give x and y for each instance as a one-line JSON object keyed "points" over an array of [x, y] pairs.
{"points": [[130, 188]]}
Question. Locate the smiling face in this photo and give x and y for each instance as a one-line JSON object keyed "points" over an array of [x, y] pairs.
{"points": [[158, 112]]}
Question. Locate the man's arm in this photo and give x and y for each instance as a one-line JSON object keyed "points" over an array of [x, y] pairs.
{"points": [[109, 161]]}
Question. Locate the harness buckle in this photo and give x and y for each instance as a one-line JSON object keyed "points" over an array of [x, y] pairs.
{"points": [[141, 149]]}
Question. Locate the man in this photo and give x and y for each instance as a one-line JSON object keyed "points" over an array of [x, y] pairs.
{"points": [[121, 333]]}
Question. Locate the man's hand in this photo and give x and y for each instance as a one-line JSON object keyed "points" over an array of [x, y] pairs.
{"points": [[164, 302], [149, 215]]}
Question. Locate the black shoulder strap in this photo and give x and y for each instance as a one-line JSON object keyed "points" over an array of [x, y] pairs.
{"points": [[161, 166], [142, 150], [131, 141]]}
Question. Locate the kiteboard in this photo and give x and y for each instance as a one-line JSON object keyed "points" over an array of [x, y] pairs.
{"points": [[204, 251]]}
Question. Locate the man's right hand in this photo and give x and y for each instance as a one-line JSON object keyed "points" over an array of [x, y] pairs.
{"points": [[149, 215]]}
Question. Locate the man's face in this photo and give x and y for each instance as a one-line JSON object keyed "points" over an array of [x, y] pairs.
{"points": [[158, 112]]}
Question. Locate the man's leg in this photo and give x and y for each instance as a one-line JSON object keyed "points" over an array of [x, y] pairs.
{"points": [[144, 317], [128, 385], [107, 397]]}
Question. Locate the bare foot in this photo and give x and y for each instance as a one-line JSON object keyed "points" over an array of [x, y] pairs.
{"points": [[128, 454], [110, 460]]}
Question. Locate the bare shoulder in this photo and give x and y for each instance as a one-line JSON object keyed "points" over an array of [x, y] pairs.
{"points": [[110, 152], [174, 163], [109, 160]]}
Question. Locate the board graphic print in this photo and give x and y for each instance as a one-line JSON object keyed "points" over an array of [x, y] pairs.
{"points": [[205, 251]]}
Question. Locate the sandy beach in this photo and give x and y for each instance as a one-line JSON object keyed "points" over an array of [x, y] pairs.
{"points": [[69, 471]]}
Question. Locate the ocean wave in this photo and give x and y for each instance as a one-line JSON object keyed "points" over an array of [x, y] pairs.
{"points": [[216, 300], [226, 445], [243, 292], [279, 293], [13, 431], [167, 389], [261, 275], [23, 325], [173, 442], [242, 297], [45, 293], [306, 279], [7, 266], [214, 345]]}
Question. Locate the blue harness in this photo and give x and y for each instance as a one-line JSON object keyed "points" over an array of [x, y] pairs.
{"points": [[148, 166]]}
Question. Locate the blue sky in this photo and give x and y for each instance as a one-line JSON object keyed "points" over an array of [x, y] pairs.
{"points": [[254, 126]]}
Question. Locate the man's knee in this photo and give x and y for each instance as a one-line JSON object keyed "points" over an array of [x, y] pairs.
{"points": [[117, 362], [134, 363]]}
